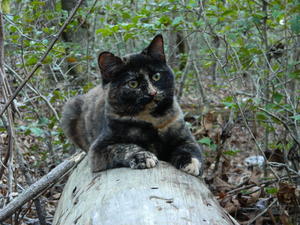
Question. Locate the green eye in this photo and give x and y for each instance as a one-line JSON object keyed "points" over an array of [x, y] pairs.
{"points": [[156, 77], [133, 84]]}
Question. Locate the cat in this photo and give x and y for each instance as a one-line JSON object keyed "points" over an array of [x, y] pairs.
{"points": [[133, 118]]}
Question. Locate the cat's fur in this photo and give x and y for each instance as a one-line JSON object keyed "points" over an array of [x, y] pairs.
{"points": [[122, 126]]}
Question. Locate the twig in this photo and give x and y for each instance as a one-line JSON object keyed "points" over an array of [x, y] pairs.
{"points": [[7, 155], [276, 164], [186, 69], [262, 213], [241, 110], [261, 184], [41, 185], [35, 91], [39, 207], [39, 63], [283, 123], [200, 86], [253, 96], [6, 92]]}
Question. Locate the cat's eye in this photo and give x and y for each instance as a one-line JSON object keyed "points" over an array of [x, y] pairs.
{"points": [[133, 84], [156, 77]]}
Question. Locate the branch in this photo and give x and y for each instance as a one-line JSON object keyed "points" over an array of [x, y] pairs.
{"points": [[41, 185], [240, 108], [283, 123], [6, 91], [39, 63], [40, 210], [35, 91], [262, 213]]}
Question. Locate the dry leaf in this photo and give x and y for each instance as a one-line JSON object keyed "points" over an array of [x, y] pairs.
{"points": [[232, 206], [286, 193]]}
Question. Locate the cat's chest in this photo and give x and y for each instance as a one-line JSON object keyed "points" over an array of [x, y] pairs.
{"points": [[135, 132]]}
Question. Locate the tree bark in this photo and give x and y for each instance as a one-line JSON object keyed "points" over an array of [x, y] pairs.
{"points": [[162, 196]]}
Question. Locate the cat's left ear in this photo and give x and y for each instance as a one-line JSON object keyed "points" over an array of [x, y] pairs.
{"points": [[108, 62], [156, 48]]}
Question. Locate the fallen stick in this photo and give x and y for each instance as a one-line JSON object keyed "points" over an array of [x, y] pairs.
{"points": [[41, 185]]}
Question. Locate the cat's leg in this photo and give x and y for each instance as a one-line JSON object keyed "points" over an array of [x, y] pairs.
{"points": [[185, 153], [187, 157], [121, 155]]}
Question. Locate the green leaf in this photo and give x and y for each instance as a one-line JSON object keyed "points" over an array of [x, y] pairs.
{"points": [[31, 61], [297, 117], [47, 60], [231, 152], [229, 102], [295, 24], [205, 140], [178, 20], [5, 6], [295, 75], [37, 131], [261, 116], [213, 146], [43, 121], [228, 12], [277, 97], [128, 36], [271, 190], [165, 20], [104, 31]]}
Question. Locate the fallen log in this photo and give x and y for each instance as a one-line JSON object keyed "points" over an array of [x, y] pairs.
{"points": [[160, 196]]}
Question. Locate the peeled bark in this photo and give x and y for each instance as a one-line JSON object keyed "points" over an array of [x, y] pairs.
{"points": [[162, 196]]}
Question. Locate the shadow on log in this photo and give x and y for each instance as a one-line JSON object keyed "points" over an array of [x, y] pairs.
{"points": [[124, 196]]}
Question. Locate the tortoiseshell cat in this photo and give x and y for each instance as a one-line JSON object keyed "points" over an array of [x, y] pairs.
{"points": [[133, 118]]}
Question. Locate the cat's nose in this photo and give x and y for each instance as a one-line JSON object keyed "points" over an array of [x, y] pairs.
{"points": [[153, 92]]}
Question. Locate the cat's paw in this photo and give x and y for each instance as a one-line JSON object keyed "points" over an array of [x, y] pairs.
{"points": [[143, 160], [189, 164], [193, 168]]}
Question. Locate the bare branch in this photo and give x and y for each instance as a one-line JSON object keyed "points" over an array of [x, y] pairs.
{"points": [[39, 63], [41, 185]]}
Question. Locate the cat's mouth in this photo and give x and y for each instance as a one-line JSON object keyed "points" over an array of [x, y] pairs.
{"points": [[153, 100]]}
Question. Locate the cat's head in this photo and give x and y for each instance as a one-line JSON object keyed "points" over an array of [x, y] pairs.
{"points": [[138, 82]]}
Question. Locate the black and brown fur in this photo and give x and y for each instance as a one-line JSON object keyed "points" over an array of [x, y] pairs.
{"points": [[126, 126]]}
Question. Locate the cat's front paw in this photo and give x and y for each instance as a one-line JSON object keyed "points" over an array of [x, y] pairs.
{"points": [[143, 160], [188, 164], [193, 168]]}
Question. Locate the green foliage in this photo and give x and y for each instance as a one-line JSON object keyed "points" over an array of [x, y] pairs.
{"points": [[208, 142], [232, 31], [271, 190], [232, 152]]}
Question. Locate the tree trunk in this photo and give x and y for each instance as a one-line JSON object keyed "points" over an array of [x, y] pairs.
{"points": [[161, 196], [78, 36]]}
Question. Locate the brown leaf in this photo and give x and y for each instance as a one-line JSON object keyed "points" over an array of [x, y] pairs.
{"points": [[221, 185], [207, 121], [286, 193], [284, 218], [71, 59], [232, 206]]}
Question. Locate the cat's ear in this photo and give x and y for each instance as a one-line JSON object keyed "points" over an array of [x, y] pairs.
{"points": [[156, 48], [107, 63]]}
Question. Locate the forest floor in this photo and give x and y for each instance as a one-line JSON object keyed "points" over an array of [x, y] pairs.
{"points": [[244, 186], [236, 172]]}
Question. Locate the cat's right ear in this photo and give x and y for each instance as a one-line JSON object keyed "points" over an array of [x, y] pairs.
{"points": [[107, 63], [156, 48]]}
